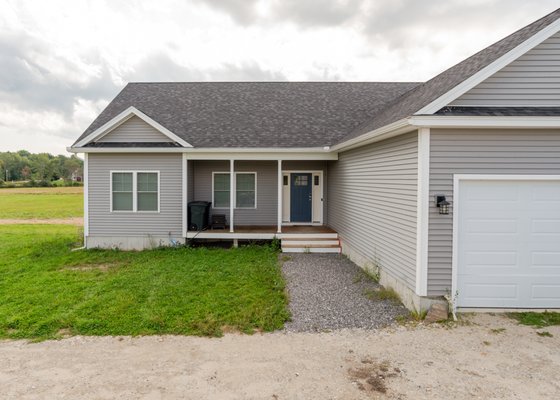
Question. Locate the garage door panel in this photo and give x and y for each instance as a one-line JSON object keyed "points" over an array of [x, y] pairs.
{"points": [[545, 261], [545, 291], [484, 259], [491, 226], [546, 226], [508, 244], [484, 292]]}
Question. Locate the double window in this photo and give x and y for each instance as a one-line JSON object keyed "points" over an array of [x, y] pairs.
{"points": [[245, 190], [135, 191]]}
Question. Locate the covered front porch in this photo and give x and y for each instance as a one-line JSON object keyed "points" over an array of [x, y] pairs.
{"points": [[260, 197]]}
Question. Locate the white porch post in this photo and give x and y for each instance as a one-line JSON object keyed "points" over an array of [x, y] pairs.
{"points": [[280, 197], [185, 195], [231, 193], [85, 179]]}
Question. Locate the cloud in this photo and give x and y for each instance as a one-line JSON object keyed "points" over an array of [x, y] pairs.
{"points": [[34, 77], [160, 67]]}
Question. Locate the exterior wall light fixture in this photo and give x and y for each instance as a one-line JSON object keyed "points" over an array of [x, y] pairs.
{"points": [[442, 204]]}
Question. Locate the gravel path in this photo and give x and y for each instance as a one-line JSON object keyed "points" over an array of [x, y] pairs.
{"points": [[327, 292]]}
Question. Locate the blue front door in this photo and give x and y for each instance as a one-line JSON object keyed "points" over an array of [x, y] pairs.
{"points": [[300, 198]]}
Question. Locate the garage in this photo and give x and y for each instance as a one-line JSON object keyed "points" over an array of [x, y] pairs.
{"points": [[507, 241]]}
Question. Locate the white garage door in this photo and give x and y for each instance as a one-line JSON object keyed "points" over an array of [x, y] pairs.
{"points": [[508, 244]]}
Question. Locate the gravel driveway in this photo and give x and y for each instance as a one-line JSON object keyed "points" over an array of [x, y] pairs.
{"points": [[327, 292]]}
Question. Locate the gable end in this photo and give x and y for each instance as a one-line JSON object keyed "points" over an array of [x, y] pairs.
{"points": [[134, 130], [532, 80]]}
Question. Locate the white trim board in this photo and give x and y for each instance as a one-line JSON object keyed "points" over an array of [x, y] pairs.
{"points": [[456, 206], [442, 121], [422, 211], [490, 69], [86, 197], [123, 117]]}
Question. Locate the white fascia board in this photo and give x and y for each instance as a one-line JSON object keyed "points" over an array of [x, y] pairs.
{"points": [[385, 132], [490, 69], [436, 121], [123, 117], [212, 154], [235, 154]]}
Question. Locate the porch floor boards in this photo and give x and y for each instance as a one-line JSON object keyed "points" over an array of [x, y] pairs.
{"points": [[273, 229]]}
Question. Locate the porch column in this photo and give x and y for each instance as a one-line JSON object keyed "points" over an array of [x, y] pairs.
{"points": [[231, 193], [280, 197], [185, 195]]}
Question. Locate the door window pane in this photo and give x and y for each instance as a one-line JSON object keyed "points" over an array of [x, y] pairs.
{"points": [[301, 180]]}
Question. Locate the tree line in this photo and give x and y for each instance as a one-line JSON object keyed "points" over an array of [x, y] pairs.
{"points": [[38, 169]]}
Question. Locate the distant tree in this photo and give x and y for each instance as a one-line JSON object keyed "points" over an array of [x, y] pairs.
{"points": [[26, 172], [23, 165]]}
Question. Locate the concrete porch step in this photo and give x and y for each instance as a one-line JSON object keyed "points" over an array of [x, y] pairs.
{"points": [[308, 242], [305, 236], [326, 243], [335, 250]]}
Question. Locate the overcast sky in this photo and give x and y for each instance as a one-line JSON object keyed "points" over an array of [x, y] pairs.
{"points": [[61, 62]]}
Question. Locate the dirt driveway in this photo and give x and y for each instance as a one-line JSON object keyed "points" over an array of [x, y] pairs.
{"points": [[492, 358]]}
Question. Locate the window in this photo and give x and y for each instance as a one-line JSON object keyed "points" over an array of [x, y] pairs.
{"points": [[315, 180], [245, 190], [122, 191], [221, 190], [147, 193], [135, 191]]}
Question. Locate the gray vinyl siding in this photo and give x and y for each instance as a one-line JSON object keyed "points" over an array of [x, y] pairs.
{"points": [[103, 222], [372, 203], [134, 130], [266, 212], [517, 152], [531, 80]]}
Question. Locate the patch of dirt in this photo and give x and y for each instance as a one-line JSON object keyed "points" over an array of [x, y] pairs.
{"points": [[42, 190], [372, 376], [93, 267], [54, 221], [402, 362], [64, 333]]}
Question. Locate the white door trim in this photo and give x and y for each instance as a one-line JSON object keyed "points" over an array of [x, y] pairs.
{"points": [[321, 182], [456, 206]]}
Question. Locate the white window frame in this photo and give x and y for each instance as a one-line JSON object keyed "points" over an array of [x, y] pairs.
{"points": [[235, 189], [134, 191]]}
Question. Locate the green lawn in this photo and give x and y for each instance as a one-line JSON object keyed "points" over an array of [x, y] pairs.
{"points": [[41, 203], [47, 291]]}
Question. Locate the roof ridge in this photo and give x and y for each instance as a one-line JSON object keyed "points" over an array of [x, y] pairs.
{"points": [[279, 82]]}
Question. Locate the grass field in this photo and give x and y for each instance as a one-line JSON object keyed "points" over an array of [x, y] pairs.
{"points": [[48, 291], [41, 203]]}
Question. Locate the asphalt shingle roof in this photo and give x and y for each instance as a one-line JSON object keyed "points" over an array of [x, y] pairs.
{"points": [[297, 114], [256, 114]]}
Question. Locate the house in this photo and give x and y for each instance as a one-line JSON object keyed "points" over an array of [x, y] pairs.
{"points": [[449, 187]]}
